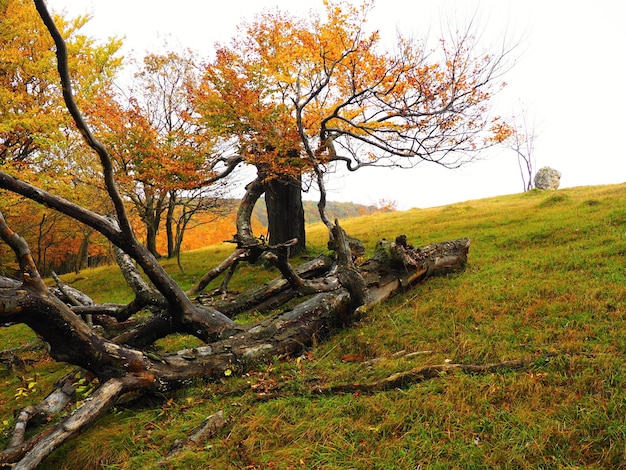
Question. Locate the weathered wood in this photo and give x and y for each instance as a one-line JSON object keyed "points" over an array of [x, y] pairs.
{"points": [[100, 402], [72, 341], [286, 333], [53, 404], [209, 427], [271, 294], [418, 374], [397, 267]]}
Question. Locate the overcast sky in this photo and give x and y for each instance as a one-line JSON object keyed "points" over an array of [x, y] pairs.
{"points": [[568, 80]]}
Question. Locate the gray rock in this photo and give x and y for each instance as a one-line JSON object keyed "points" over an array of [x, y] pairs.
{"points": [[547, 178]]}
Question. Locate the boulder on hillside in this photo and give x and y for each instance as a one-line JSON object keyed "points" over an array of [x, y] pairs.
{"points": [[547, 178]]}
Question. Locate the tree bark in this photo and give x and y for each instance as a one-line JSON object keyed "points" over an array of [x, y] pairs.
{"points": [[209, 427], [151, 234], [100, 402], [82, 260], [172, 246], [285, 213]]}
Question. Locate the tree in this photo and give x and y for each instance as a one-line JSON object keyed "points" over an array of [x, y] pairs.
{"points": [[182, 210], [33, 117], [164, 155], [299, 96], [522, 142], [333, 297], [36, 135]]}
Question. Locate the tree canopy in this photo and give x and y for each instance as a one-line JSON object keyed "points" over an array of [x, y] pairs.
{"points": [[38, 140], [299, 95], [164, 158], [33, 116]]}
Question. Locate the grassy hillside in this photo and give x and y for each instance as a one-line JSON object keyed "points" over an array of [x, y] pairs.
{"points": [[546, 281]]}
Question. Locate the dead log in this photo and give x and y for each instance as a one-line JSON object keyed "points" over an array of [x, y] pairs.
{"points": [[121, 369], [395, 267], [418, 374], [100, 402], [271, 294], [53, 404], [209, 427], [287, 333]]}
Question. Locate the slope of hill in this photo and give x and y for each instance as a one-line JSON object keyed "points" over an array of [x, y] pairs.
{"points": [[545, 285]]}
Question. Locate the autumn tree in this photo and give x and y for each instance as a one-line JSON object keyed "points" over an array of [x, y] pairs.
{"points": [[27, 84], [37, 137], [165, 154], [300, 96], [33, 116]]}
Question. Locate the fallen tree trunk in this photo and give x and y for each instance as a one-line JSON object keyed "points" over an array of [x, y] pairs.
{"points": [[121, 369], [270, 295], [396, 266], [418, 374], [100, 402], [209, 427]]}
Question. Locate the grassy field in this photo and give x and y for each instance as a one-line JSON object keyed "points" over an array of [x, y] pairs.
{"points": [[545, 282]]}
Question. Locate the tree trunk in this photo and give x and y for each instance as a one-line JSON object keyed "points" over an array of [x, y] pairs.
{"points": [[151, 234], [172, 246], [151, 212], [82, 259], [285, 214]]}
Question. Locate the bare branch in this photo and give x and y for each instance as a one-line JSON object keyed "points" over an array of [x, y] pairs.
{"points": [[66, 83]]}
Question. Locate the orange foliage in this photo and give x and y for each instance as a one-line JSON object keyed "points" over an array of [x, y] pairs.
{"points": [[208, 230], [291, 92], [34, 119]]}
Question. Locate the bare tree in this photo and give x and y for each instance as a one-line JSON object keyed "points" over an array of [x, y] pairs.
{"points": [[522, 142]]}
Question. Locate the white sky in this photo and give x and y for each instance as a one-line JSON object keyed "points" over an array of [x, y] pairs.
{"points": [[569, 79]]}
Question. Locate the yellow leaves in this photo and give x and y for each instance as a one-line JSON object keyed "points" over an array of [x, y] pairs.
{"points": [[33, 114], [30, 386]]}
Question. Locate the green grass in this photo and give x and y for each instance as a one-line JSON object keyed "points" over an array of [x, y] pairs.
{"points": [[546, 280]]}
